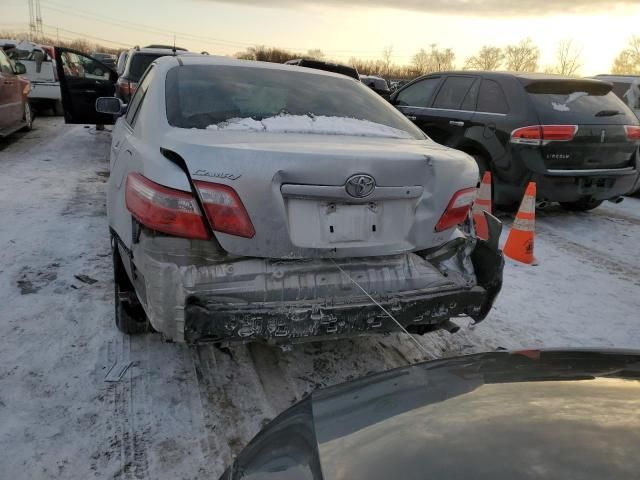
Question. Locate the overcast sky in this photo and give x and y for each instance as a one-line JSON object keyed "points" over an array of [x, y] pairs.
{"points": [[346, 28]]}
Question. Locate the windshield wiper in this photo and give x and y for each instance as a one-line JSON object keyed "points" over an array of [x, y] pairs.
{"points": [[608, 113]]}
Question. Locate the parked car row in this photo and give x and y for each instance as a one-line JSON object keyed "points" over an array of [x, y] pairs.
{"points": [[15, 111], [40, 71]]}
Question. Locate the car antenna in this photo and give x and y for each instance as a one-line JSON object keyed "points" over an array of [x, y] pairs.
{"points": [[174, 43]]}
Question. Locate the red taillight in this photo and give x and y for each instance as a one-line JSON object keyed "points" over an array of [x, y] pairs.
{"points": [[164, 209], [126, 88], [457, 210], [543, 134], [633, 133], [225, 210]]}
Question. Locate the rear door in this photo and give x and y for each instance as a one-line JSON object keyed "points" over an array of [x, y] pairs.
{"points": [[82, 80], [441, 106], [600, 141], [452, 109], [492, 125]]}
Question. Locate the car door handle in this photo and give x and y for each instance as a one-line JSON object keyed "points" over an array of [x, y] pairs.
{"points": [[412, 117], [456, 123], [89, 91]]}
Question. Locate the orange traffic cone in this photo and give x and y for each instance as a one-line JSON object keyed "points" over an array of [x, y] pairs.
{"points": [[481, 205], [519, 244]]}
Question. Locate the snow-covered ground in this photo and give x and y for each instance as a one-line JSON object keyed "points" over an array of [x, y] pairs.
{"points": [[179, 412]]}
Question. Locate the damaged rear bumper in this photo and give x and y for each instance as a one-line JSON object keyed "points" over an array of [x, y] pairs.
{"points": [[201, 297]]}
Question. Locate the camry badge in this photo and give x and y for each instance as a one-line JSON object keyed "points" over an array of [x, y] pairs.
{"points": [[360, 186]]}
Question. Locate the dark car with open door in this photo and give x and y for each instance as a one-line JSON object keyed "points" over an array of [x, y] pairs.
{"points": [[83, 79], [574, 137]]}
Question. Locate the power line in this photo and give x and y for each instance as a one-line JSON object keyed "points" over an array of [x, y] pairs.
{"points": [[68, 10]]}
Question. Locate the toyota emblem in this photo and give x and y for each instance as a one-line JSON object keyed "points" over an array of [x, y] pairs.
{"points": [[360, 186]]}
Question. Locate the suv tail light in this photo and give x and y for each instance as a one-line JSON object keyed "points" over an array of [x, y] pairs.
{"points": [[543, 134], [224, 209], [126, 89], [633, 133], [164, 209], [457, 210]]}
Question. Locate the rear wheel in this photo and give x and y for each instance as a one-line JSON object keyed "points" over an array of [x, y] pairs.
{"points": [[130, 316], [27, 118], [582, 205]]}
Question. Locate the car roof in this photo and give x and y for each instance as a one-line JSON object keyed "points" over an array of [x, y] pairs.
{"points": [[161, 51], [199, 59], [612, 78]]}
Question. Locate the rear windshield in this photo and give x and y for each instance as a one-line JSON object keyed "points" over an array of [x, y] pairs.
{"points": [[199, 96], [578, 103], [139, 63]]}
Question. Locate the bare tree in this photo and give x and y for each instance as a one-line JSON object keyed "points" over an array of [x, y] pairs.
{"points": [[568, 59], [522, 57], [435, 60], [488, 58], [315, 53], [387, 54], [628, 60]]}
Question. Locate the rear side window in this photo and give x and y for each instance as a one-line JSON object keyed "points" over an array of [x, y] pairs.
{"points": [[139, 63], [418, 94], [138, 98], [453, 92], [578, 103], [491, 98]]}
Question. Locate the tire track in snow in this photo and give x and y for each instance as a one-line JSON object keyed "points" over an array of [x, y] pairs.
{"points": [[613, 266]]}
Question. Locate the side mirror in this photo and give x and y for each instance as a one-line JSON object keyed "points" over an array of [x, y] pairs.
{"points": [[20, 69], [110, 105]]}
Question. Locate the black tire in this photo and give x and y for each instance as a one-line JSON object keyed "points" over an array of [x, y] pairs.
{"points": [[582, 205], [130, 316], [27, 117]]}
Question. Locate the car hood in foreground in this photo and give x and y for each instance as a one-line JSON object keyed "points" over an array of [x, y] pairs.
{"points": [[549, 414]]}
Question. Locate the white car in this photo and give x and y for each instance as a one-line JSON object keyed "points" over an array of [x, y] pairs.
{"points": [[251, 201]]}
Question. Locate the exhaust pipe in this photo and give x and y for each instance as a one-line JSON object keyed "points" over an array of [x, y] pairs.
{"points": [[449, 326], [617, 200], [542, 204]]}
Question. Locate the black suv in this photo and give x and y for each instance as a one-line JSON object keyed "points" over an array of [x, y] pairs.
{"points": [[573, 137], [136, 62]]}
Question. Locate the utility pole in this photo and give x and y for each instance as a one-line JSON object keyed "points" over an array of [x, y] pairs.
{"points": [[39, 29], [32, 20]]}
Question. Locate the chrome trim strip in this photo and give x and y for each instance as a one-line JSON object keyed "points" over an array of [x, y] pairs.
{"points": [[592, 171], [330, 192], [453, 110]]}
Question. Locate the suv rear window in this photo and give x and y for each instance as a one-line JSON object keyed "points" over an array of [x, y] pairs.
{"points": [[139, 64], [576, 102], [201, 95]]}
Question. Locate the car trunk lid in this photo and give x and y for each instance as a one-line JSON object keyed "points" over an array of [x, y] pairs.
{"points": [[600, 140], [294, 190]]}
